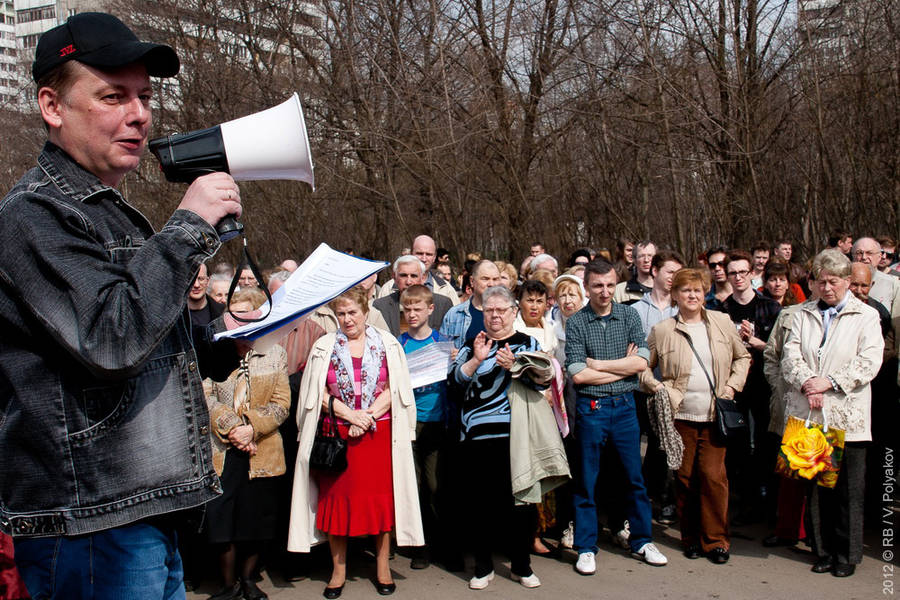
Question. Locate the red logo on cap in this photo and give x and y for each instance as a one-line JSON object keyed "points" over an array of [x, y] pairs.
{"points": [[67, 50]]}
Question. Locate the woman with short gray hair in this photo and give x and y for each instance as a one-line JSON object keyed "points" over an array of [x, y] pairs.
{"points": [[481, 377], [499, 291], [832, 351]]}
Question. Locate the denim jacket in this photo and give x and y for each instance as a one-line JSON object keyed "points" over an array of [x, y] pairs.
{"points": [[456, 323], [103, 420]]}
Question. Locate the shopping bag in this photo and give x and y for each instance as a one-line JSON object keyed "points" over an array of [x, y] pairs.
{"points": [[810, 451]]}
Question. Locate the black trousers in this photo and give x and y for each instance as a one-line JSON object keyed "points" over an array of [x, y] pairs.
{"points": [[430, 440], [496, 522]]}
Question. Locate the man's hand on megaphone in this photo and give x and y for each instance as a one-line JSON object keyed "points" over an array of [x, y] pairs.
{"points": [[213, 197]]}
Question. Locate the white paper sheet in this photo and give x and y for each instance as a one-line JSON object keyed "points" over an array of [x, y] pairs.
{"points": [[323, 276], [429, 364]]}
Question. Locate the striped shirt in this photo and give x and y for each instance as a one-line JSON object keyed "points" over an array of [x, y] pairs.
{"points": [[485, 406]]}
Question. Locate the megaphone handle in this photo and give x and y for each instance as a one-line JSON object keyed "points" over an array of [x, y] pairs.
{"points": [[229, 228]]}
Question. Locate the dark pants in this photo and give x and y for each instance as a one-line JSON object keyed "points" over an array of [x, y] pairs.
{"points": [[702, 496], [835, 517], [495, 519], [750, 457], [565, 507], [133, 562], [430, 440]]}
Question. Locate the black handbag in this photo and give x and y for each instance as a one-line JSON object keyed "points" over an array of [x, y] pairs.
{"points": [[730, 421], [329, 450]]}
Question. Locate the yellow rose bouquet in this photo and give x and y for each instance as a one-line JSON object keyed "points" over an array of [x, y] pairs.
{"points": [[810, 451]]}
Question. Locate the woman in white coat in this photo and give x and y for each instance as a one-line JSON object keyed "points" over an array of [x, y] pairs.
{"points": [[832, 351], [364, 370]]}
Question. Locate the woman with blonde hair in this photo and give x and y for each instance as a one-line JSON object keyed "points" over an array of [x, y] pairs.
{"points": [[361, 371], [699, 357], [245, 411], [508, 275]]}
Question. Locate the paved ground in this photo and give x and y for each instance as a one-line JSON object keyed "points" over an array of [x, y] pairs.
{"points": [[754, 572]]}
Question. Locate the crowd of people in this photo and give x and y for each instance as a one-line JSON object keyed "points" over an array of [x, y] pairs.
{"points": [[648, 353], [128, 431]]}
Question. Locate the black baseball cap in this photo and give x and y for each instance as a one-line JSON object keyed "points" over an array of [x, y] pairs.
{"points": [[102, 41]]}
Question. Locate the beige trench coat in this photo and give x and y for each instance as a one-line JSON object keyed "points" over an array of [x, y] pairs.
{"points": [[851, 356], [407, 516]]}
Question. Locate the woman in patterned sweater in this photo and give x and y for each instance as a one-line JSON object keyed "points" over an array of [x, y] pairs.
{"points": [[481, 377]]}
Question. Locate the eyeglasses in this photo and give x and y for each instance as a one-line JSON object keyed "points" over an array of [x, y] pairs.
{"points": [[713, 265], [741, 273], [496, 311]]}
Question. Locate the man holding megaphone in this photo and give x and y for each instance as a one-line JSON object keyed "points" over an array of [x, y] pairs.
{"points": [[104, 431]]}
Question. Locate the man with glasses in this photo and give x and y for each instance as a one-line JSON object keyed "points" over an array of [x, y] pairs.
{"points": [[888, 262], [717, 261], [754, 316], [203, 308], [885, 289]]}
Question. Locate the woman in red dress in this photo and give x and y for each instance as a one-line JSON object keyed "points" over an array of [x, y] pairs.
{"points": [[364, 373]]}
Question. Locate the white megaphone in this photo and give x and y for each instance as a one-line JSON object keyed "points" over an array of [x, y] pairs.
{"points": [[270, 144]]}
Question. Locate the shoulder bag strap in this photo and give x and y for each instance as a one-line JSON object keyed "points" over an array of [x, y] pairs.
{"points": [[335, 431]]}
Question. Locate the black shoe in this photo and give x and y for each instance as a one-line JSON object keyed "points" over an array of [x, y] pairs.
{"points": [[844, 570], [252, 591], [718, 556], [668, 515], [232, 592], [332, 593], [419, 562], [823, 565], [773, 541], [693, 552], [385, 589]]}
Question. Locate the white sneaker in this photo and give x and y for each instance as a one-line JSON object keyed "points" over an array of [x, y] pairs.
{"points": [[531, 581], [568, 537], [479, 583], [651, 555], [621, 538], [587, 564]]}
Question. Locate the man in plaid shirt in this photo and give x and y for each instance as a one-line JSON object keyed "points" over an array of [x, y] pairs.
{"points": [[605, 350]]}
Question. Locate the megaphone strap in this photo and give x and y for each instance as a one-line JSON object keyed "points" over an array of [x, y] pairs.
{"points": [[248, 260]]}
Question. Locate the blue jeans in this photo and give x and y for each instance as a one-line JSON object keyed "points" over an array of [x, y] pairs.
{"points": [[133, 562], [601, 421]]}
